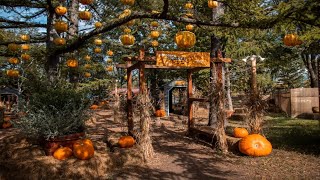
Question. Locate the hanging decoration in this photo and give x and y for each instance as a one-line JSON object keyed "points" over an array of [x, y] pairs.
{"points": [[127, 39], [87, 58], [13, 60], [85, 15], [13, 73], [25, 37], [185, 39], [25, 57], [59, 41], [72, 63], [86, 2], [127, 2], [110, 53], [60, 26], [97, 25], [60, 10], [212, 4]]}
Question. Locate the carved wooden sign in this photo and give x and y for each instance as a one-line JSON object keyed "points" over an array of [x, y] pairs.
{"points": [[183, 59]]}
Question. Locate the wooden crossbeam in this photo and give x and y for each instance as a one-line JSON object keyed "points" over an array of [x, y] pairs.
{"points": [[225, 60], [199, 99]]}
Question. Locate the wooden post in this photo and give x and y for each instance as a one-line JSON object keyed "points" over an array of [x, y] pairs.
{"points": [[142, 86], [254, 77], [190, 103], [129, 99]]}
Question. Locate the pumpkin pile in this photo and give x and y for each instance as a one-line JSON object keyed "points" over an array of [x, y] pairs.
{"points": [[252, 145], [82, 149]]}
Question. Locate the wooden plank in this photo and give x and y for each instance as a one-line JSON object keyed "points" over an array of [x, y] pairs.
{"points": [[199, 99], [129, 100], [141, 78], [124, 66], [190, 103], [225, 60]]}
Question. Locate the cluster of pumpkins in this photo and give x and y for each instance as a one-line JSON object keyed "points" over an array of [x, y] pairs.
{"points": [[252, 144], [81, 149]]}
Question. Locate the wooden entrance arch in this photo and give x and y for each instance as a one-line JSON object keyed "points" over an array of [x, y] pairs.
{"points": [[140, 63]]}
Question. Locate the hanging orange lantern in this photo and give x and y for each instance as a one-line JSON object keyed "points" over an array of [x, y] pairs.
{"points": [[60, 26], [125, 13], [127, 2], [60, 10], [291, 40], [110, 53], [185, 39], [155, 43], [155, 34], [154, 24], [86, 2], [25, 57], [72, 63], [59, 41], [188, 5], [212, 4], [98, 25], [127, 39], [87, 74], [25, 37], [130, 23], [87, 66], [13, 60], [97, 50], [25, 47], [98, 42], [85, 15], [189, 27], [109, 68], [13, 73], [87, 58], [13, 47]]}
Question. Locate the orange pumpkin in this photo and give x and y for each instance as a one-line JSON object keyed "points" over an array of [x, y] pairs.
{"points": [[86, 2], [60, 10], [127, 2], [94, 107], [291, 40], [62, 153], [154, 24], [212, 4], [98, 25], [6, 125], [97, 50], [13, 73], [126, 142], [109, 68], [188, 5], [72, 63], [13, 60], [154, 34], [59, 41], [155, 43], [255, 145], [110, 53], [25, 37], [25, 47], [127, 39], [60, 26], [160, 113], [85, 15], [25, 57], [83, 149], [87, 66], [240, 132], [98, 42], [131, 23], [189, 27], [87, 74], [87, 58], [185, 39]]}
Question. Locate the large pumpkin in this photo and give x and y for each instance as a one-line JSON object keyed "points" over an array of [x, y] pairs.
{"points": [[12, 73], [86, 2], [127, 2], [25, 47], [255, 145], [13, 60], [98, 42], [62, 153], [25, 57], [60, 10], [154, 34], [72, 63], [240, 132], [185, 39], [160, 113], [127, 39], [59, 41], [212, 4], [25, 37], [60, 26], [83, 149], [13, 47], [126, 142], [85, 15]]}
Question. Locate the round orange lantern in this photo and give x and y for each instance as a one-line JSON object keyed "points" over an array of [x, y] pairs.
{"points": [[59, 41], [185, 39], [212, 4], [87, 66], [110, 53], [13, 47], [189, 5], [155, 43], [85, 15], [25, 37], [98, 25], [131, 23], [25, 47], [291, 40], [127, 39], [87, 58], [87, 74], [72, 63], [60, 26], [155, 34], [109, 68], [127, 2], [97, 50], [60, 10], [86, 2], [13, 60], [25, 57], [154, 24], [12, 73], [189, 27], [98, 42], [125, 13]]}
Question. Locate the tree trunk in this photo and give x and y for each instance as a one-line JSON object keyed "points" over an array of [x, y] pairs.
{"points": [[74, 21], [310, 61], [228, 87], [213, 81], [116, 108]]}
